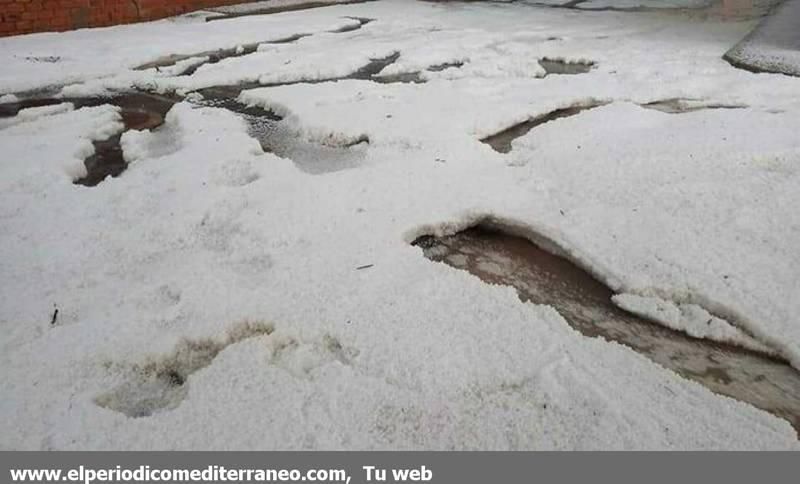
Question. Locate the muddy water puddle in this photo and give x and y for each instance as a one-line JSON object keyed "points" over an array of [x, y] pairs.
{"points": [[502, 141], [8, 110], [141, 111], [585, 303], [138, 111]]}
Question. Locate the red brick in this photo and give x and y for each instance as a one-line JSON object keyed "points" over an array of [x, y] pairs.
{"points": [[25, 16]]}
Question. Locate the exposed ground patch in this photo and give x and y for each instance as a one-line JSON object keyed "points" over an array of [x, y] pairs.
{"points": [[585, 303], [266, 127], [725, 10], [139, 111], [564, 67], [682, 105], [213, 56], [142, 110], [233, 12], [445, 66], [309, 156], [216, 56], [11, 109], [578, 5], [225, 97], [362, 21], [367, 72], [161, 383], [501, 141], [413, 77]]}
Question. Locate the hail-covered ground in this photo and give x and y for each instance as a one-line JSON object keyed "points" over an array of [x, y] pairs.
{"points": [[217, 296]]}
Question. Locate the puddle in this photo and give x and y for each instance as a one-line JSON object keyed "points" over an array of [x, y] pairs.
{"points": [[226, 97], [369, 71], [680, 105], [162, 384], [265, 126], [220, 55], [501, 142], [139, 111], [9, 110], [542, 278], [412, 77], [311, 157], [563, 67]]}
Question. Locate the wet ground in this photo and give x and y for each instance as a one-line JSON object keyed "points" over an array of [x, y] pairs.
{"points": [[679, 105], [141, 110], [215, 56], [562, 67], [162, 384], [501, 142], [733, 10], [274, 137], [244, 11], [138, 110], [585, 303]]}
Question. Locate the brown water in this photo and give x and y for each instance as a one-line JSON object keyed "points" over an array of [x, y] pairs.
{"points": [[139, 111], [585, 303], [501, 142]]}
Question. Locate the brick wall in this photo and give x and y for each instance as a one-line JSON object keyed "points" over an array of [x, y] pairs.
{"points": [[26, 16]]}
